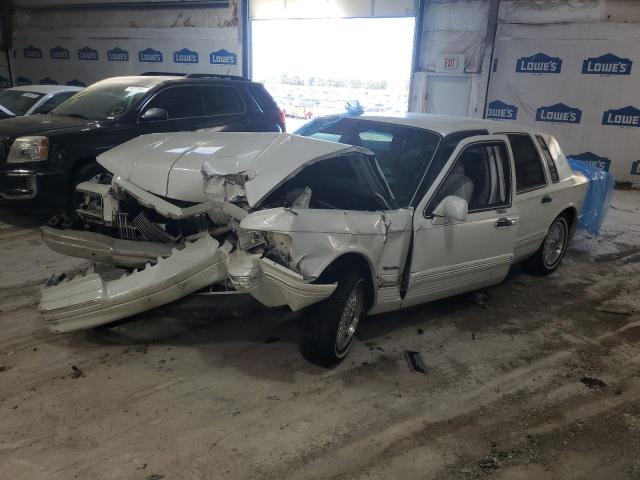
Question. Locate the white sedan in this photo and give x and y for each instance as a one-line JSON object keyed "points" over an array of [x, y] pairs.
{"points": [[32, 99], [353, 216]]}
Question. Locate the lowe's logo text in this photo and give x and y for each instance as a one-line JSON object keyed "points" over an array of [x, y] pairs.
{"points": [[223, 57], [185, 56], [559, 113], [23, 81], [635, 168], [117, 55], [623, 117], [76, 83], [87, 53], [48, 81], [539, 63], [150, 55], [502, 111], [31, 52], [592, 159], [59, 53], [608, 64]]}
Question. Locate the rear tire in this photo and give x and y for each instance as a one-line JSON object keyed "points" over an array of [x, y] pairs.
{"points": [[330, 325], [548, 257]]}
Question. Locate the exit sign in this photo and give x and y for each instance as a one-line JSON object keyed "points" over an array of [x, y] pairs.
{"points": [[450, 63]]}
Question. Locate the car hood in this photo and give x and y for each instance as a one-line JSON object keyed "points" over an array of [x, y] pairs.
{"points": [[195, 166], [42, 125]]}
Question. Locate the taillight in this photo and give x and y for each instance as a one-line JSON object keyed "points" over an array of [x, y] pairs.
{"points": [[281, 117]]}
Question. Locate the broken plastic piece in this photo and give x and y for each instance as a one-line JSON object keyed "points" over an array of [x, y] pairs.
{"points": [[415, 362]]}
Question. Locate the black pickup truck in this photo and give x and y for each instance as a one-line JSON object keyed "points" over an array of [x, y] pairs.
{"points": [[43, 157]]}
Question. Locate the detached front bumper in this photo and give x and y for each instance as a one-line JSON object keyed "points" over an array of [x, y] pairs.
{"points": [[102, 248], [89, 301]]}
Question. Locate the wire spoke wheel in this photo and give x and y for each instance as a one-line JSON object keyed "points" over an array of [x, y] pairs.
{"points": [[350, 317], [554, 243]]}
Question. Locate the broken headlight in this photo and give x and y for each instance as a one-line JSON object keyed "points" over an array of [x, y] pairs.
{"points": [[91, 204]]}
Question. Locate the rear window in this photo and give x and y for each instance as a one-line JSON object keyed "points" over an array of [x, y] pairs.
{"points": [[222, 100], [262, 97], [529, 170]]}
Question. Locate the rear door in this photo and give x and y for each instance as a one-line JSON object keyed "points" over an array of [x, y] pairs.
{"points": [[535, 204], [225, 110], [183, 105], [451, 257]]}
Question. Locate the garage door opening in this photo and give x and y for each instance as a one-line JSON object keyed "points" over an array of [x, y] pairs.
{"points": [[317, 67]]}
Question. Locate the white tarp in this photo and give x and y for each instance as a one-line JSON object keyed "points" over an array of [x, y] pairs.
{"points": [[578, 82], [81, 57]]}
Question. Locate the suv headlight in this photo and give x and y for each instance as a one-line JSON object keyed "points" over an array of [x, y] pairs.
{"points": [[29, 149]]}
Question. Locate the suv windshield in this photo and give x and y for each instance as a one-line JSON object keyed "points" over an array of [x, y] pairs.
{"points": [[18, 102], [402, 152], [107, 99]]}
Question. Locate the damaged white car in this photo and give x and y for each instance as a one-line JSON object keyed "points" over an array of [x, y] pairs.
{"points": [[361, 215]]}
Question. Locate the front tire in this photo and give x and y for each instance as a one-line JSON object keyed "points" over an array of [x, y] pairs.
{"points": [[552, 250], [331, 325]]}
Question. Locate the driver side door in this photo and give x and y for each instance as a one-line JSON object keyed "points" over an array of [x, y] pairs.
{"points": [[455, 256]]}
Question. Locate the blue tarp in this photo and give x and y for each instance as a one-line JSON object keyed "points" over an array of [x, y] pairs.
{"points": [[596, 202]]}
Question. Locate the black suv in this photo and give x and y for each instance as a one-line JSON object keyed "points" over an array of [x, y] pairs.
{"points": [[43, 157]]}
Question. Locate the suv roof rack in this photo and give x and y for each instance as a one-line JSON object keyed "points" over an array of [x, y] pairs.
{"points": [[162, 74], [216, 75]]}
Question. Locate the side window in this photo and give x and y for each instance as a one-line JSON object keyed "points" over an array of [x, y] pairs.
{"points": [[529, 170], [262, 97], [53, 102], [221, 100], [179, 102], [375, 140], [481, 176], [553, 171]]}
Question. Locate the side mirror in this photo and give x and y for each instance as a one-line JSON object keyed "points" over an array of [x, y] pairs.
{"points": [[452, 207], [154, 114]]}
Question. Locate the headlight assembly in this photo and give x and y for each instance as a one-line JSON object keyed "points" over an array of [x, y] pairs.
{"points": [[29, 149]]}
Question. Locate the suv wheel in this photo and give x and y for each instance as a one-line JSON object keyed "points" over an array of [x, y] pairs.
{"points": [[331, 325], [552, 250]]}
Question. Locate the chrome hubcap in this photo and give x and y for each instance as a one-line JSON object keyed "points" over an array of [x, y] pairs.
{"points": [[350, 317], [554, 243]]}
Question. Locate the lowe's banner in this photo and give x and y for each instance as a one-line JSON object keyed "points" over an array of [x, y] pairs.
{"points": [[577, 82], [81, 57]]}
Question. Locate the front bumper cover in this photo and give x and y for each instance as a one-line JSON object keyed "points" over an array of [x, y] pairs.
{"points": [[89, 301], [102, 248]]}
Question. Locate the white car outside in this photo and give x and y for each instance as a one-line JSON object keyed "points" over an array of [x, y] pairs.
{"points": [[32, 99], [392, 212]]}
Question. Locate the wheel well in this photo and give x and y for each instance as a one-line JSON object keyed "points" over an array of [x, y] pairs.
{"points": [[571, 214], [350, 262]]}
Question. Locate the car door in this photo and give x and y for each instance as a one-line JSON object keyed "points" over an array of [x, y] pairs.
{"points": [[225, 110], [534, 201], [451, 256], [183, 105]]}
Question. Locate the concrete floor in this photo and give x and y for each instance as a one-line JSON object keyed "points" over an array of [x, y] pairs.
{"points": [[189, 398]]}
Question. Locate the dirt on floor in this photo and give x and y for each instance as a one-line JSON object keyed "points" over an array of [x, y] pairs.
{"points": [[537, 378]]}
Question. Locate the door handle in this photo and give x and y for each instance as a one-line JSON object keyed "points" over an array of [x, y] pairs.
{"points": [[546, 199], [504, 222]]}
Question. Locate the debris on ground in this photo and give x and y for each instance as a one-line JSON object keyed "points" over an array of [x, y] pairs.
{"points": [[415, 362], [593, 383], [488, 462], [420, 331], [155, 476], [75, 372], [2, 367]]}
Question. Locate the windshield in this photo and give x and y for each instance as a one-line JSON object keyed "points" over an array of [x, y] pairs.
{"points": [[19, 102], [403, 153], [104, 100]]}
